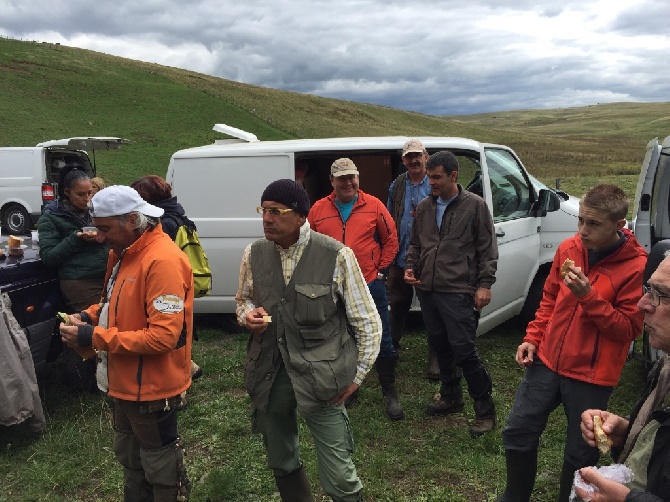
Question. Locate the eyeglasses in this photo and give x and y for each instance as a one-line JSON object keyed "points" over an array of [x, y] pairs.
{"points": [[654, 296], [273, 211]]}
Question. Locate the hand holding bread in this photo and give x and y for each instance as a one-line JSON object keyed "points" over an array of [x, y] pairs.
{"points": [[565, 268], [603, 442]]}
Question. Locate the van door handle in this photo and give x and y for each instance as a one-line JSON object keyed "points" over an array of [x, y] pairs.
{"points": [[500, 232]]}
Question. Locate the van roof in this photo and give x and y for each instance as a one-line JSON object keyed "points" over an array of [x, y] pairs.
{"points": [[235, 147]]}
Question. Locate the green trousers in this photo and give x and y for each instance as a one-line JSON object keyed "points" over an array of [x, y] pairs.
{"points": [[331, 432]]}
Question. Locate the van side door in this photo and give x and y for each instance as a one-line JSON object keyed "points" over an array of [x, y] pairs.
{"points": [[510, 196]]}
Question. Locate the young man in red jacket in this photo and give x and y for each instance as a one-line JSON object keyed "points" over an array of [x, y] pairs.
{"points": [[362, 222], [575, 348]]}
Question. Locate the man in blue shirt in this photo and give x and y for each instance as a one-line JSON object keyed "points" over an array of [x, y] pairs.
{"points": [[405, 193]]}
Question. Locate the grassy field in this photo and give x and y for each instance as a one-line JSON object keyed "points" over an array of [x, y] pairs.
{"points": [[417, 459]]}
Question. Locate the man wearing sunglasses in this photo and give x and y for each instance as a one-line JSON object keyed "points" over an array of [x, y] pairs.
{"points": [[298, 293], [575, 348]]}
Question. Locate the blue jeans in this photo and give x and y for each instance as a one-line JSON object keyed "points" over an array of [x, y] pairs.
{"points": [[377, 289]]}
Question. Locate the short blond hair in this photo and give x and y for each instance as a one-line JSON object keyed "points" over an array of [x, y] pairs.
{"points": [[606, 198], [98, 183]]}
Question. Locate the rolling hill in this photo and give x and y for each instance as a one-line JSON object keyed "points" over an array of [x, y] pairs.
{"points": [[52, 91]]}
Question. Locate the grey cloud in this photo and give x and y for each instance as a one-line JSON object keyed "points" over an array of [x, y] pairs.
{"points": [[427, 56]]}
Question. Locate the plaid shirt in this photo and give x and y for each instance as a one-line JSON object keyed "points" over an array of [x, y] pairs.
{"points": [[349, 286]]}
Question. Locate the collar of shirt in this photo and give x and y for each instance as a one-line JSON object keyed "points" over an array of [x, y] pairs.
{"points": [[291, 256]]}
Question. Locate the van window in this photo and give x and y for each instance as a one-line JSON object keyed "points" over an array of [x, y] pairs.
{"points": [[510, 189]]}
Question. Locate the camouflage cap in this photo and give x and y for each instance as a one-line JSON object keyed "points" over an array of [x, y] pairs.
{"points": [[343, 167], [413, 146]]}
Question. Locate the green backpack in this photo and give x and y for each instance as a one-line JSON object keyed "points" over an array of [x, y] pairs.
{"points": [[188, 242]]}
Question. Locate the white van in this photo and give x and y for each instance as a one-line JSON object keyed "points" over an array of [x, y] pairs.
{"points": [[651, 214], [29, 176], [220, 186]]}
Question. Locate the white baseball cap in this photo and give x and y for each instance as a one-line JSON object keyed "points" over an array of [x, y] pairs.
{"points": [[117, 200]]}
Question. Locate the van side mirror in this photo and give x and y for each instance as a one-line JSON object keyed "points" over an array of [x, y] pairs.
{"points": [[547, 202]]}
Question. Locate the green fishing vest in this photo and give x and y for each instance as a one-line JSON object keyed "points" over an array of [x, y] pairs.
{"points": [[308, 332]]}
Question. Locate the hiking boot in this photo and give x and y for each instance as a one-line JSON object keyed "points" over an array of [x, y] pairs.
{"points": [[443, 407], [482, 426], [196, 371]]}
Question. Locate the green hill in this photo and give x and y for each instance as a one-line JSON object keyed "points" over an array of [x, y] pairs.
{"points": [[52, 91]]}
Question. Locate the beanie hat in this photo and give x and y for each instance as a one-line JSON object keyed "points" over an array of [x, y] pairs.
{"points": [[289, 193]]}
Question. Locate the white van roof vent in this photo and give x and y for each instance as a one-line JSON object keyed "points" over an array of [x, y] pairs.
{"points": [[234, 132]]}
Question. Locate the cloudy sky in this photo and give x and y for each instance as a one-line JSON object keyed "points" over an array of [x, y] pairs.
{"points": [[435, 57]]}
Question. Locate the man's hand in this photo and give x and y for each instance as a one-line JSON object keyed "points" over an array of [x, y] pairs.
{"points": [[608, 490], [577, 282], [342, 396], [482, 298], [613, 425], [254, 320], [410, 279], [525, 354], [68, 334]]}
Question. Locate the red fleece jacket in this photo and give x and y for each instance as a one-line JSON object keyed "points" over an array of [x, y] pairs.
{"points": [[588, 338]]}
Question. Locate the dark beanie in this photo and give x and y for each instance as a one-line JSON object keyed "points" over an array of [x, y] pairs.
{"points": [[289, 193]]}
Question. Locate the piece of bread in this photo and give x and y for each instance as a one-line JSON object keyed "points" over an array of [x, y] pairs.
{"points": [[603, 443], [565, 268], [14, 241], [267, 318]]}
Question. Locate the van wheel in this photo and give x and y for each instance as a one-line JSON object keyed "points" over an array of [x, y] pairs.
{"points": [[533, 298], [16, 219]]}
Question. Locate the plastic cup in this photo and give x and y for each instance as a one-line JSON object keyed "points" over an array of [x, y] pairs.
{"points": [[34, 236]]}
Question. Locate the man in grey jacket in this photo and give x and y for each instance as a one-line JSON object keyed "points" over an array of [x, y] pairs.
{"points": [[298, 292], [452, 260]]}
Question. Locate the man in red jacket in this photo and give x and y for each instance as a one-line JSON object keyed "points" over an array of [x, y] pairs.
{"points": [[362, 222], [575, 348]]}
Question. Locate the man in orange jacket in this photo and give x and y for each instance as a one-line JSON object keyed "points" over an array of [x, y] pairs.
{"points": [[144, 324], [575, 348], [362, 222]]}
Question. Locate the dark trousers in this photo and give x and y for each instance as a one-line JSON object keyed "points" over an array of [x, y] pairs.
{"points": [[451, 325], [147, 446], [400, 298], [377, 290], [540, 393]]}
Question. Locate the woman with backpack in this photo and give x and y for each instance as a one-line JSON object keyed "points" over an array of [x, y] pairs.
{"points": [[156, 191]]}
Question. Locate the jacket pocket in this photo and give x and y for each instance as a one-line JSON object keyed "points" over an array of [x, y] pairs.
{"points": [[313, 337], [332, 366], [458, 223], [313, 303], [251, 365]]}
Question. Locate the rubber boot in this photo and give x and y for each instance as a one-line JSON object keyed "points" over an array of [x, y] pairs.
{"points": [[136, 488], [386, 372], [433, 370], [521, 471], [294, 487], [567, 478], [166, 472]]}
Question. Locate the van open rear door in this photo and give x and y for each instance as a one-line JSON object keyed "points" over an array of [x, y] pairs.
{"points": [[86, 143], [643, 195]]}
